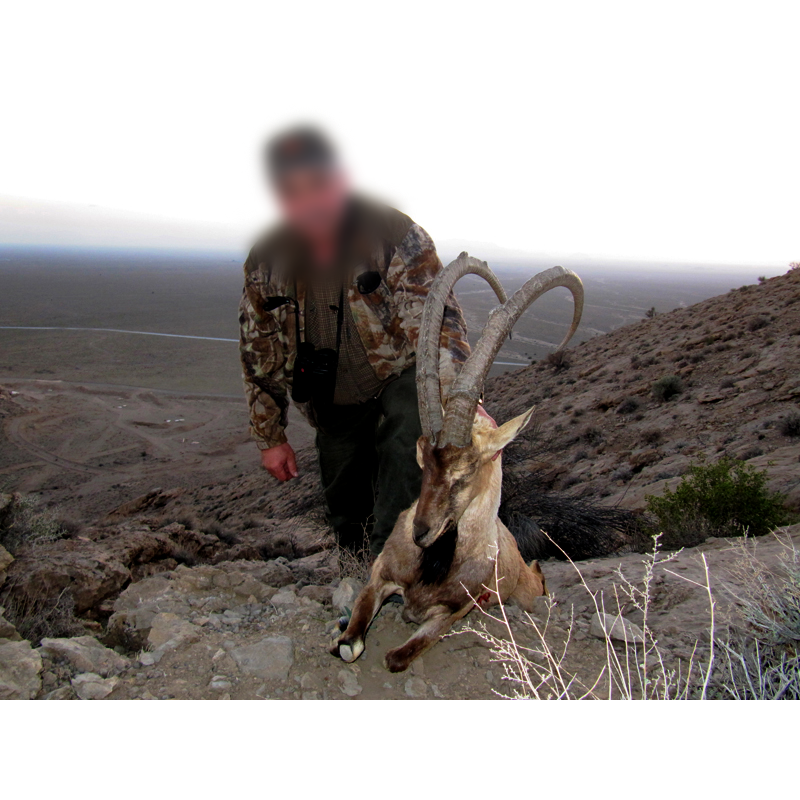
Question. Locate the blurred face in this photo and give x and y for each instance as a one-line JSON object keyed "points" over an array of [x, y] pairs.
{"points": [[313, 201]]}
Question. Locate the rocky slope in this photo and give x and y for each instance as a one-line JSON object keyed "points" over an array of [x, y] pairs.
{"points": [[258, 630], [230, 588], [602, 432]]}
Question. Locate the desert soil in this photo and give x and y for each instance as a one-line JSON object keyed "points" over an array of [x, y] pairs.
{"points": [[202, 578]]}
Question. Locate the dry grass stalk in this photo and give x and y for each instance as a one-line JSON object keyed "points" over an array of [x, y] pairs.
{"points": [[638, 670]]}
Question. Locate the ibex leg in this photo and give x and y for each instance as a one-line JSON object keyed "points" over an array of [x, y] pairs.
{"points": [[350, 645], [531, 585], [440, 621]]}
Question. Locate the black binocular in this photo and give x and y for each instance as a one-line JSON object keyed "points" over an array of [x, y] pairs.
{"points": [[314, 375]]}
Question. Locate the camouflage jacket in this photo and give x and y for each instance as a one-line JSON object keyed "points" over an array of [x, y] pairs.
{"points": [[387, 319]]}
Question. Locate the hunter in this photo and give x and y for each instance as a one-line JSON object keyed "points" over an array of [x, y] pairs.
{"points": [[345, 279]]}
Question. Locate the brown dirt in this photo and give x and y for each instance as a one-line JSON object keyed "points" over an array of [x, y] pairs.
{"points": [[175, 511]]}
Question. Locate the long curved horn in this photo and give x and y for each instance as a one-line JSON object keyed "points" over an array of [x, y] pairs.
{"points": [[430, 331], [467, 387]]}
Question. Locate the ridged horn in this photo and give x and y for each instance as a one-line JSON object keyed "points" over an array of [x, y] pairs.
{"points": [[428, 385], [467, 387]]}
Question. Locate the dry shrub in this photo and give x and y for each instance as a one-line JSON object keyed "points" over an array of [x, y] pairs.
{"points": [[37, 618], [651, 436], [790, 424], [558, 360], [189, 521], [633, 669], [629, 405], [757, 323], [761, 656], [667, 387], [27, 522], [357, 565], [757, 658]]}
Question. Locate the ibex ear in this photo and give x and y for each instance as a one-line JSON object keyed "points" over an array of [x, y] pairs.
{"points": [[496, 439]]}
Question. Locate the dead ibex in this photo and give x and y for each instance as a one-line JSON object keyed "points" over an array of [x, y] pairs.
{"points": [[449, 548]]}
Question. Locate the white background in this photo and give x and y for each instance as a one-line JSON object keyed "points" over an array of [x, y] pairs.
{"points": [[636, 130], [642, 130]]}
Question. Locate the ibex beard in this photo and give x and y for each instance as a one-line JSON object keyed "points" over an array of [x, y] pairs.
{"points": [[449, 550]]}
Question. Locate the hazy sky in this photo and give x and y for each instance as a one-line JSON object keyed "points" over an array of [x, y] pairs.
{"points": [[637, 130]]}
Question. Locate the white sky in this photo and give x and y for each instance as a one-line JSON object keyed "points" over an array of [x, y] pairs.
{"points": [[635, 130]]}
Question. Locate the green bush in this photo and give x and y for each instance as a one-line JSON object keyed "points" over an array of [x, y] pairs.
{"points": [[667, 387], [728, 498]]}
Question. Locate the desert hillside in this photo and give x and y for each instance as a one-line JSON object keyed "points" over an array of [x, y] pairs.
{"points": [[151, 558], [606, 433]]}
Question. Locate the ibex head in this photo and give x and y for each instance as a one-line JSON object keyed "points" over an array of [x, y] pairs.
{"points": [[455, 441]]}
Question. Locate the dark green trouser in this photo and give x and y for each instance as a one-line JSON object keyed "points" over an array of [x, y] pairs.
{"points": [[367, 457]]}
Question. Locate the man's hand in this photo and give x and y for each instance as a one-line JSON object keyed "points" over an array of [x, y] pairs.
{"points": [[280, 462]]}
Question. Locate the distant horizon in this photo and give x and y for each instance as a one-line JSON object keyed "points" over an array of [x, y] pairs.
{"points": [[447, 250], [29, 222]]}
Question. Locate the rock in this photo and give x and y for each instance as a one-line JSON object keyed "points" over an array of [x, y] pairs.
{"points": [[85, 654], [20, 670], [204, 588], [710, 397], [87, 570], [291, 538], [319, 594], [7, 630], [310, 682], [344, 598], [644, 458], [157, 498], [220, 683], [285, 597], [270, 659], [91, 686], [148, 659], [616, 627], [416, 688], [62, 693], [348, 683], [320, 568], [168, 631]]}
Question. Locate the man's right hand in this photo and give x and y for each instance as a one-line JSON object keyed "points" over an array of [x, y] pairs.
{"points": [[280, 462]]}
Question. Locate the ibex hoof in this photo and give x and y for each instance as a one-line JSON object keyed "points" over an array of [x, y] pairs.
{"points": [[395, 663], [350, 651]]}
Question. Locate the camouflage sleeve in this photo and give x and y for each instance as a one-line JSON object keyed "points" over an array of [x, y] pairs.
{"points": [[263, 363], [414, 266]]}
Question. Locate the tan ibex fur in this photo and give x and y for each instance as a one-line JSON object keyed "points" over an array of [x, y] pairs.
{"points": [[461, 487], [450, 550]]}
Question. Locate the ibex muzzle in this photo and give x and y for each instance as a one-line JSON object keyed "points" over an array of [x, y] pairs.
{"points": [[450, 550], [447, 474]]}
